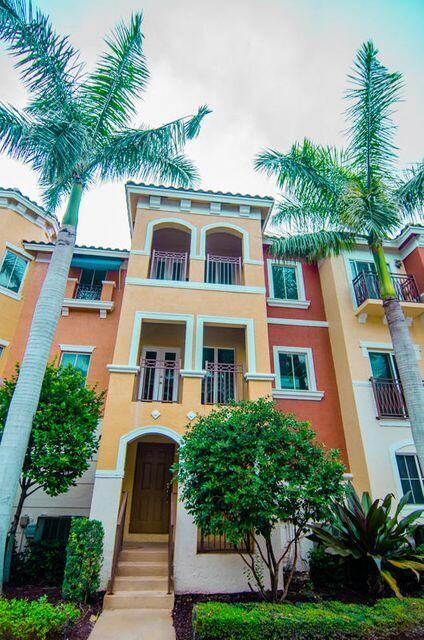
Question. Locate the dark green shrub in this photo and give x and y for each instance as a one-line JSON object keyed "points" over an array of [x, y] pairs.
{"points": [[84, 554], [328, 571], [305, 621], [39, 563], [35, 619]]}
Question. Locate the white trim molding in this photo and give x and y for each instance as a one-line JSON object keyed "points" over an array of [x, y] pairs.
{"points": [[19, 250], [204, 286], [295, 322], [103, 306], [259, 376], [76, 348], [139, 432], [301, 302], [300, 394], [192, 373], [176, 318], [231, 227], [122, 368], [4, 343], [249, 325], [176, 221], [367, 346], [7, 292], [288, 304]]}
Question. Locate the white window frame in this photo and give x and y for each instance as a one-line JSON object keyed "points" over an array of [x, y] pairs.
{"points": [[298, 394], [399, 452], [20, 254], [77, 351], [301, 302]]}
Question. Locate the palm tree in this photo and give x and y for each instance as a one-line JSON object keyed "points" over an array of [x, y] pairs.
{"points": [[332, 198], [75, 131]]}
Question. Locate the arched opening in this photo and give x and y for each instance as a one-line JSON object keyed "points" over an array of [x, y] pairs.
{"points": [[169, 253], [224, 257]]}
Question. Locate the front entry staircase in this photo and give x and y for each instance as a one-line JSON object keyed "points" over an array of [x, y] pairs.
{"points": [[141, 580]]}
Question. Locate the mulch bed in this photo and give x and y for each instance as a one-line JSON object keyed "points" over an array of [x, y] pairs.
{"points": [[89, 612], [183, 609]]}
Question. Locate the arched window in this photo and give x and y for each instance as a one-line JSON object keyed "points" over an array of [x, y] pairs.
{"points": [[224, 257], [169, 253]]}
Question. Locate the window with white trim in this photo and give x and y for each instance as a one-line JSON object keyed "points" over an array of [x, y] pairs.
{"points": [[411, 477], [12, 271], [286, 280], [80, 361], [293, 371]]}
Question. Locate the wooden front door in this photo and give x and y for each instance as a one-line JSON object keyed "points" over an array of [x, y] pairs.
{"points": [[150, 501]]}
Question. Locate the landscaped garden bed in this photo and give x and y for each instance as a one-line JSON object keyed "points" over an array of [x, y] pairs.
{"points": [[390, 618]]}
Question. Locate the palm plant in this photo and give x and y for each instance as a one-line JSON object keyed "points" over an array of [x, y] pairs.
{"points": [[365, 531], [75, 131], [333, 198]]}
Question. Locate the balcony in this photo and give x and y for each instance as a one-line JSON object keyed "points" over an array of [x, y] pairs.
{"points": [[366, 288], [158, 380], [223, 270], [86, 292], [89, 297], [223, 383], [389, 398], [168, 265]]}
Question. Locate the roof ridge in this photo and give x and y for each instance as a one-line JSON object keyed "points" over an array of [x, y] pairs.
{"points": [[191, 190]]}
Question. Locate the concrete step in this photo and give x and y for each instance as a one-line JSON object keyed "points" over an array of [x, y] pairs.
{"points": [[142, 568], [144, 555], [145, 544], [141, 583], [138, 600]]}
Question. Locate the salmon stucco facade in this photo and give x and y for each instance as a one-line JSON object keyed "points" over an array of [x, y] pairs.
{"points": [[197, 313]]}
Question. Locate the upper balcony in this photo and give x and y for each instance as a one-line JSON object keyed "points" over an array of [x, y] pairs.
{"points": [[89, 289], [366, 288]]}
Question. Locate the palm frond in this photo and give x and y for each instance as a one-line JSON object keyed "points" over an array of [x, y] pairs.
{"points": [[313, 246], [372, 211], [373, 94], [48, 63], [110, 92], [14, 132], [410, 192]]}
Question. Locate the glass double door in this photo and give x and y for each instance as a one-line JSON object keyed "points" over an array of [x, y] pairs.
{"points": [[219, 385], [159, 374]]}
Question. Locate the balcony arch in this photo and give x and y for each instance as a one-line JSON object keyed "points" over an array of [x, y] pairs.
{"points": [[170, 250], [224, 256], [173, 223], [228, 228], [139, 432]]}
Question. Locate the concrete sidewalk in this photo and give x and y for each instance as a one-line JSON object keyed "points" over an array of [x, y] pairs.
{"points": [[134, 624]]}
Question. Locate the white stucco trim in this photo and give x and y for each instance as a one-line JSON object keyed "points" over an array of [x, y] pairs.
{"points": [[393, 450], [187, 319], [192, 373], [178, 221], [19, 250], [122, 368], [139, 432], [259, 376], [4, 343], [302, 394], [76, 348], [22, 254], [292, 394], [367, 346], [248, 323], [394, 423], [225, 225], [288, 304], [11, 294], [295, 322], [190, 284], [299, 280]]}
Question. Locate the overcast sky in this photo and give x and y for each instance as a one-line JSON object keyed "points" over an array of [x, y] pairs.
{"points": [[273, 71]]}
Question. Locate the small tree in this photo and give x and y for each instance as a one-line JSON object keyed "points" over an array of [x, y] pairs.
{"points": [[63, 439], [246, 468]]}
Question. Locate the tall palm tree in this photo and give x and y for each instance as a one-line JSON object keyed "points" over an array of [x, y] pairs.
{"points": [[331, 198], [75, 131]]}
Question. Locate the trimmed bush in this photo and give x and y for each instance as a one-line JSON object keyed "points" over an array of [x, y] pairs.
{"points": [[306, 621], [39, 563], [35, 619], [84, 555]]}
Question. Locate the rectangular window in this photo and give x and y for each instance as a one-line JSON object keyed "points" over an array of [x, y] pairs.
{"points": [[1, 350], [411, 477], [383, 365], [80, 361], [12, 271], [284, 280], [293, 371], [362, 266]]}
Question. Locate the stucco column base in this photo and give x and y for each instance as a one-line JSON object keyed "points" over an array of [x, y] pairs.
{"points": [[105, 507]]}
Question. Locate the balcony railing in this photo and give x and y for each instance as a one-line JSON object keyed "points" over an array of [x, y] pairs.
{"points": [[366, 285], [223, 383], [223, 270], [389, 398], [158, 380], [88, 292], [168, 265]]}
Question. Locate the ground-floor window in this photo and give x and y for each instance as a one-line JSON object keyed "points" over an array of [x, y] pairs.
{"points": [[411, 477]]}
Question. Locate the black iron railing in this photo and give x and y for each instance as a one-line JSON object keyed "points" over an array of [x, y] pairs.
{"points": [[389, 398], [366, 285], [88, 292]]}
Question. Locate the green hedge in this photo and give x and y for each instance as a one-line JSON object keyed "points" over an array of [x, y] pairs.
{"points": [[325, 621], [35, 619], [84, 556]]}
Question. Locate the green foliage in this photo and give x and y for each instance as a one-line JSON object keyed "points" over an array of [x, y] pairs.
{"points": [[84, 555], [247, 467], [329, 620], [35, 619], [76, 127], [39, 563], [63, 437], [331, 197], [367, 532], [329, 571]]}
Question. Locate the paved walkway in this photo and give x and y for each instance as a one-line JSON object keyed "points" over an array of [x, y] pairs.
{"points": [[134, 624]]}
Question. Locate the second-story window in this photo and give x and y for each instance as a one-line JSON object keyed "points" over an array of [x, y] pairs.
{"points": [[12, 271], [293, 371], [80, 361], [90, 284], [285, 282]]}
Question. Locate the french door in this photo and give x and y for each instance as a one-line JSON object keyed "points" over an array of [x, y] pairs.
{"points": [[159, 374], [219, 386]]}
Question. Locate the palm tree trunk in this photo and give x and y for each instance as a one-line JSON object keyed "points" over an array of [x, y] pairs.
{"points": [[406, 358], [25, 399], [409, 372]]}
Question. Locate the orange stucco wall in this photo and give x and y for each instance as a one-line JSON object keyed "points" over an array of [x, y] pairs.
{"points": [[414, 266]]}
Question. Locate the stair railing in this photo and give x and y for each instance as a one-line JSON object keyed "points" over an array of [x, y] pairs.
{"points": [[119, 538], [171, 543]]}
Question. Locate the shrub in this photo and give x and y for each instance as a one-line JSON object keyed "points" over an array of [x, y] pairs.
{"points": [[305, 621], [35, 619], [39, 563], [328, 571], [84, 554]]}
